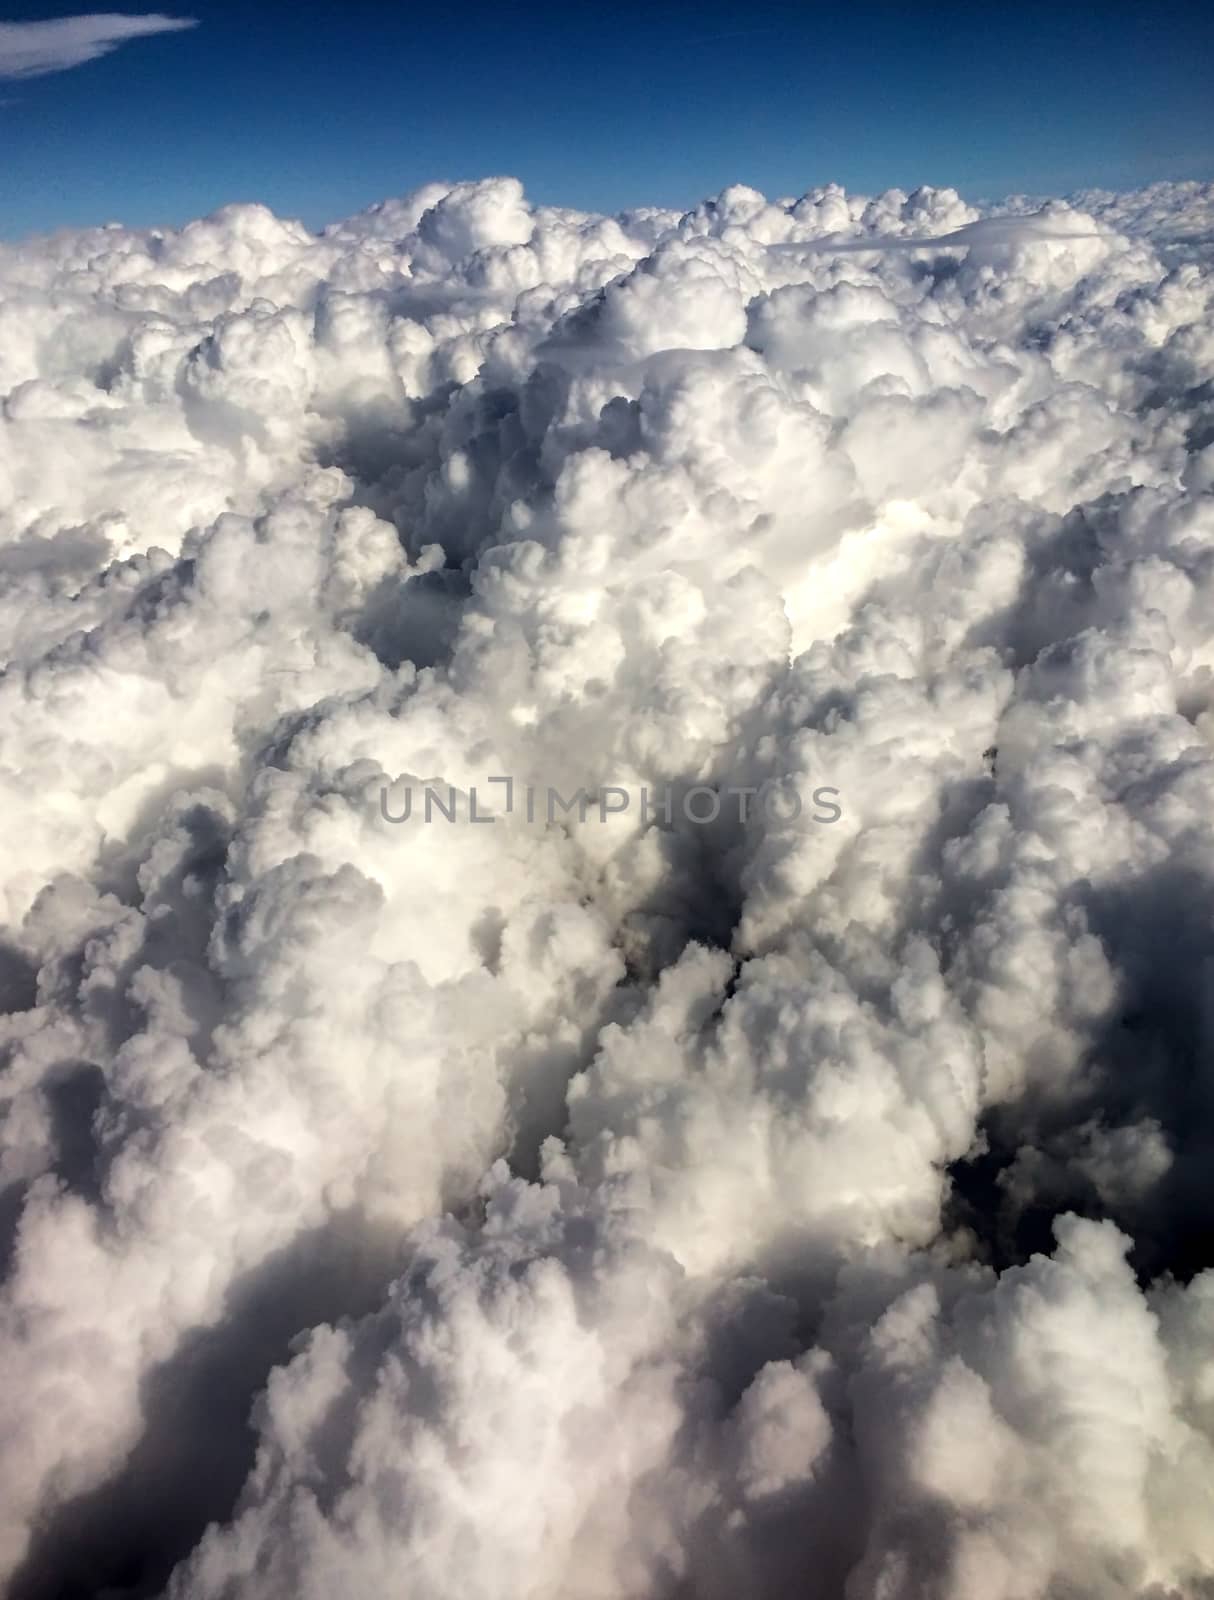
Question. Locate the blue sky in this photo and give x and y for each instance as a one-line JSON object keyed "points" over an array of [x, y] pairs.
{"points": [[319, 110]]}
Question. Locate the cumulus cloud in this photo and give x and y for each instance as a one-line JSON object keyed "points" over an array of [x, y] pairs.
{"points": [[988, 232], [682, 1197], [33, 49]]}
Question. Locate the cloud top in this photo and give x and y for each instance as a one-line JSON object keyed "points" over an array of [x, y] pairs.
{"points": [[609, 1206], [35, 49]]}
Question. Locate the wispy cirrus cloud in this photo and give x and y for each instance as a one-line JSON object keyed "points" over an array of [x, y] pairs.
{"points": [[33, 49]]}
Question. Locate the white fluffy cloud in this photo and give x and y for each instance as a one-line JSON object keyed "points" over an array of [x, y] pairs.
{"points": [[33, 49], [622, 1205]]}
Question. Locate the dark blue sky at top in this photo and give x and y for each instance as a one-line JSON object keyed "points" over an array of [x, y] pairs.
{"points": [[320, 110]]}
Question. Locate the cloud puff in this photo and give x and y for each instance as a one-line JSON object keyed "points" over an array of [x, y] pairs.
{"points": [[640, 1201], [33, 49]]}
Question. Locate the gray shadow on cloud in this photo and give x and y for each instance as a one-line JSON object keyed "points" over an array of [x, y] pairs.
{"points": [[197, 1444], [1145, 1075]]}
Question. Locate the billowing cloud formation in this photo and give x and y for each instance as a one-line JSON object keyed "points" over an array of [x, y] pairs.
{"points": [[623, 1205], [32, 49]]}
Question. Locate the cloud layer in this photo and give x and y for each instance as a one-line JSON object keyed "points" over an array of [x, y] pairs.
{"points": [[619, 1206]]}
